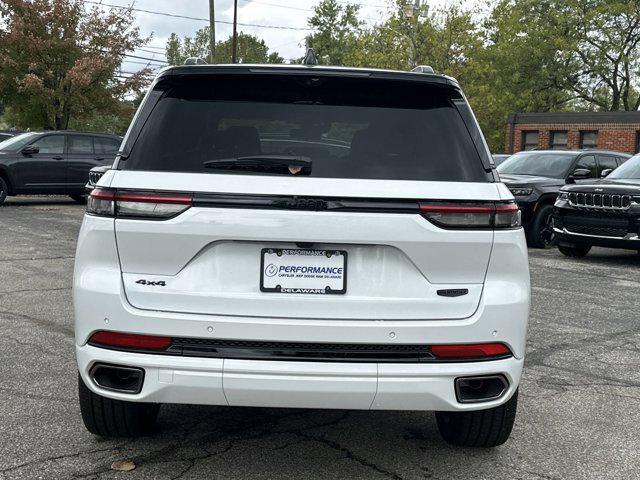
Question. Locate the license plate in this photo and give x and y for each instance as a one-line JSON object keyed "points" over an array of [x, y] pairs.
{"points": [[318, 272]]}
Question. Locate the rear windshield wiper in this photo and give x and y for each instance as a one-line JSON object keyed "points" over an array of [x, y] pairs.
{"points": [[291, 164]]}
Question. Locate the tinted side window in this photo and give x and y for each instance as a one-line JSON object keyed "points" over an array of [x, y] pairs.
{"points": [[606, 162], [105, 145], [588, 162], [80, 144], [50, 144]]}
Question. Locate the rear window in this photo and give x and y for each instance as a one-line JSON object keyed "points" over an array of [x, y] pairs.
{"points": [[340, 128]]}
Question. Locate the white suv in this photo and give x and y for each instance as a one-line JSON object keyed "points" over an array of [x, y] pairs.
{"points": [[294, 236]]}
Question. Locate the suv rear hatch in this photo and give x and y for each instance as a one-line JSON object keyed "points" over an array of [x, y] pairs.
{"points": [[342, 185]]}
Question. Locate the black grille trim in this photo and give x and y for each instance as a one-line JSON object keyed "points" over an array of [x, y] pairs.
{"points": [[299, 351], [599, 225], [94, 177]]}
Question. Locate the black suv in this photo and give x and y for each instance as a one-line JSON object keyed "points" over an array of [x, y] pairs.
{"points": [[55, 162], [535, 177], [605, 213]]}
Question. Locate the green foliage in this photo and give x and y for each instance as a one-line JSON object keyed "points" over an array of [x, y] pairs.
{"points": [[60, 61], [516, 56], [337, 31], [251, 49], [116, 123]]}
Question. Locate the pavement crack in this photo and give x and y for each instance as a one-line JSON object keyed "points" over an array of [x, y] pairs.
{"points": [[30, 259], [26, 290], [349, 454], [46, 324]]}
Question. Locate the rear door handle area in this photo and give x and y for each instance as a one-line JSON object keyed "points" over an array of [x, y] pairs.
{"points": [[99, 158], [57, 157]]}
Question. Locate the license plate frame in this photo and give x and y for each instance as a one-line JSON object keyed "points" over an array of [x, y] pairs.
{"points": [[309, 253]]}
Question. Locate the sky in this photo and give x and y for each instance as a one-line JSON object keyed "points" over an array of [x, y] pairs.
{"points": [[288, 42]]}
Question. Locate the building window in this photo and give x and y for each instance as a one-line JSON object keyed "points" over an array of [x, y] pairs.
{"points": [[638, 141], [588, 139], [529, 140], [559, 140]]}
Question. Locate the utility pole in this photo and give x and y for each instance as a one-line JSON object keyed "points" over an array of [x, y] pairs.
{"points": [[412, 13], [234, 42], [212, 31]]}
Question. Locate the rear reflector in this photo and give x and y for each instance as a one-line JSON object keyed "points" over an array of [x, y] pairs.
{"points": [[463, 215], [149, 205], [129, 341], [477, 350]]}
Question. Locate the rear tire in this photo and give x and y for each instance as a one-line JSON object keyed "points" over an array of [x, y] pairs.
{"points": [[481, 428], [81, 199], [115, 418], [541, 234], [4, 190], [575, 251]]}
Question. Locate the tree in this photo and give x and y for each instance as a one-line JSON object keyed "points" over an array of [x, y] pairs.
{"points": [[60, 62], [337, 31], [251, 49], [603, 53]]}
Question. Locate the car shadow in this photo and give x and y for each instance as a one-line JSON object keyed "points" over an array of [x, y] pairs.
{"points": [[608, 257], [38, 200]]}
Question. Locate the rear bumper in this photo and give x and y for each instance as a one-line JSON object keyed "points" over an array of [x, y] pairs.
{"points": [[100, 303], [357, 386]]}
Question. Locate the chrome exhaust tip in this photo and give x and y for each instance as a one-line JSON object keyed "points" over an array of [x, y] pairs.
{"points": [[117, 378], [482, 388]]}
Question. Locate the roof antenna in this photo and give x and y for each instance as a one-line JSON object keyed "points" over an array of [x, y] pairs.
{"points": [[310, 58]]}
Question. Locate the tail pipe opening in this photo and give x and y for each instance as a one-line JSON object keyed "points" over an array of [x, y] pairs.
{"points": [[117, 378], [480, 389]]}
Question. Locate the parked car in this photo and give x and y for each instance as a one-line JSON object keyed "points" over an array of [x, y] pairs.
{"points": [[499, 158], [218, 266], [604, 212], [535, 178], [55, 162], [95, 174]]}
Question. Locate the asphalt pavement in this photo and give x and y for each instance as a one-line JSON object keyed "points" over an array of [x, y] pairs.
{"points": [[578, 415]]}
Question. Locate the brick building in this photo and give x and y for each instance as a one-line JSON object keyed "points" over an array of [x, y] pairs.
{"points": [[571, 130]]}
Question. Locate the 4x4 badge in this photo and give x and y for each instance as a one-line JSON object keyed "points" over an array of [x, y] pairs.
{"points": [[160, 283]]}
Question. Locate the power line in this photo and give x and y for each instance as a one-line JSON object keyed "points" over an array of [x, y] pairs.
{"points": [[146, 58], [151, 52], [153, 47], [370, 5], [199, 19], [278, 5], [150, 64], [127, 73]]}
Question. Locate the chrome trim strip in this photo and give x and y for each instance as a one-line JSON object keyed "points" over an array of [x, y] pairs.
{"points": [[628, 236]]}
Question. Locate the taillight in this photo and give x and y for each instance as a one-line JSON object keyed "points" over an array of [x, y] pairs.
{"points": [[467, 351], [476, 215], [151, 205], [132, 341]]}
